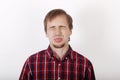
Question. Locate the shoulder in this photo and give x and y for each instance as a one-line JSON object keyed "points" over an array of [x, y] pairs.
{"points": [[81, 59], [37, 55]]}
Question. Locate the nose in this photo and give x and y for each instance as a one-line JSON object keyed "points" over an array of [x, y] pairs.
{"points": [[57, 31]]}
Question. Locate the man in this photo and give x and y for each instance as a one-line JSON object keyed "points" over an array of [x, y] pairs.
{"points": [[58, 61]]}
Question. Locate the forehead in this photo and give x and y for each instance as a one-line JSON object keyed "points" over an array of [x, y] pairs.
{"points": [[50, 18], [58, 20]]}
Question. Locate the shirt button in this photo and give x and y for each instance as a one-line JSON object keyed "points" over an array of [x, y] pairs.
{"points": [[58, 78], [59, 64], [66, 58], [52, 58]]}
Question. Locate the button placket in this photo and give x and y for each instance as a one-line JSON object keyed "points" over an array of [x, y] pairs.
{"points": [[59, 71]]}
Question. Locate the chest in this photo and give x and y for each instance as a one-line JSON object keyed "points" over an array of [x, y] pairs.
{"points": [[54, 70]]}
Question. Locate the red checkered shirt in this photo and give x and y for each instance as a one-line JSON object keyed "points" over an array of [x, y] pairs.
{"points": [[44, 66]]}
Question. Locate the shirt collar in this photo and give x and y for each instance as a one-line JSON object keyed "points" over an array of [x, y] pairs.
{"points": [[68, 54]]}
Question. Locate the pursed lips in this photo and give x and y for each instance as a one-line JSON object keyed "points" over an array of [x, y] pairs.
{"points": [[58, 39]]}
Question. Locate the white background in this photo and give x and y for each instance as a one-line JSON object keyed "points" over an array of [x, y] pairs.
{"points": [[96, 33]]}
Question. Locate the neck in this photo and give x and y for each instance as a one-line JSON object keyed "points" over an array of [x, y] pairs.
{"points": [[59, 52]]}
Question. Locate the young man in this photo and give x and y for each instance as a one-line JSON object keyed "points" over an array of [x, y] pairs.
{"points": [[58, 61]]}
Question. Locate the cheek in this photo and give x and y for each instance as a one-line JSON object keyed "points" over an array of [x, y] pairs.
{"points": [[67, 34], [49, 34]]}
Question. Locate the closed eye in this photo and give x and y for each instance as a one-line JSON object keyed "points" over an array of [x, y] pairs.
{"points": [[52, 27], [63, 27]]}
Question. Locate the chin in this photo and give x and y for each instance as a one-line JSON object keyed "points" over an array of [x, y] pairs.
{"points": [[59, 46]]}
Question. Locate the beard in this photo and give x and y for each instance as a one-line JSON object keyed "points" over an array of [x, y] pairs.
{"points": [[59, 46]]}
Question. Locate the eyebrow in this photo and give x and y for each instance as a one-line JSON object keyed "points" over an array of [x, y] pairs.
{"points": [[52, 26], [62, 26]]}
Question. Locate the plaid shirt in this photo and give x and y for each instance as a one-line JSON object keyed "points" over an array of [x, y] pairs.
{"points": [[44, 66]]}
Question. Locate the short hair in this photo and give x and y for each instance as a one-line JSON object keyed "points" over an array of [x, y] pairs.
{"points": [[54, 13]]}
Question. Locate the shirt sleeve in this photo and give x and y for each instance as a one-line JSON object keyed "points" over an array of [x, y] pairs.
{"points": [[89, 73], [26, 71]]}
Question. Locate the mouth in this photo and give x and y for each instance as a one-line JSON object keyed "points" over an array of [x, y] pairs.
{"points": [[58, 40]]}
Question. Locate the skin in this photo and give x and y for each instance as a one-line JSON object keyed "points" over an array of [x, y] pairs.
{"points": [[58, 33]]}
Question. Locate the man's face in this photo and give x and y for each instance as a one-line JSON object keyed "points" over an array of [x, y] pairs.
{"points": [[58, 31]]}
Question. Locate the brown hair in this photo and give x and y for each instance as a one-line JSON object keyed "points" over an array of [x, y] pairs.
{"points": [[56, 12]]}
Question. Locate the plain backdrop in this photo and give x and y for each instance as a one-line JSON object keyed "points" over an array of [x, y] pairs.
{"points": [[96, 33]]}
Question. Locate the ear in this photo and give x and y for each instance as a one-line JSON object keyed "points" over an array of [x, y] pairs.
{"points": [[70, 32], [46, 34]]}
